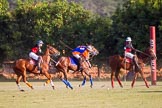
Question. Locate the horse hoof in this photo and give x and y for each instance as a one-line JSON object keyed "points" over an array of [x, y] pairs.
{"points": [[32, 87], [53, 87], [44, 84], [22, 90], [91, 86], [79, 85]]}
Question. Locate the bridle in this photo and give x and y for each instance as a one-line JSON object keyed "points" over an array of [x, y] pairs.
{"points": [[55, 53]]}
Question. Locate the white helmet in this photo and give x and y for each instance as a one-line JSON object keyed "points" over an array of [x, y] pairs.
{"points": [[128, 39], [40, 42], [89, 48]]}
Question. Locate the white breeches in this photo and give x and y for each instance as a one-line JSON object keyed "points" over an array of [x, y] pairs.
{"points": [[33, 56], [129, 55], [76, 56]]}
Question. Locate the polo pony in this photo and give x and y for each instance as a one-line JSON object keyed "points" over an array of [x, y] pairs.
{"points": [[65, 64], [117, 62], [22, 66]]}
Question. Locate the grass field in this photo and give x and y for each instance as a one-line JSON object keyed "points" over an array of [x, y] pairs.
{"points": [[100, 96]]}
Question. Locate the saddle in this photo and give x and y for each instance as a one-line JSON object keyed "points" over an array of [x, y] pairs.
{"points": [[74, 61], [127, 60], [33, 62]]}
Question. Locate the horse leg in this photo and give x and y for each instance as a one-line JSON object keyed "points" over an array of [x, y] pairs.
{"points": [[91, 81], [144, 79], [28, 84], [84, 79], [49, 80], [112, 79], [90, 78], [65, 81], [19, 77], [117, 77], [25, 81], [134, 79], [18, 82]]}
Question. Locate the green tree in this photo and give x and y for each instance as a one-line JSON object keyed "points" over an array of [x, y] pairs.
{"points": [[133, 20]]}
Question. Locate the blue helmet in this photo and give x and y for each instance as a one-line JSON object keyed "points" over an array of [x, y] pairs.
{"points": [[40, 42]]}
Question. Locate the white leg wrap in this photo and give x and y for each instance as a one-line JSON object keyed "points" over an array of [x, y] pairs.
{"points": [[18, 85], [52, 84]]}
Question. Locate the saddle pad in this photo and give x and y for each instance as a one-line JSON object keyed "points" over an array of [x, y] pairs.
{"points": [[73, 61], [31, 61], [128, 60]]}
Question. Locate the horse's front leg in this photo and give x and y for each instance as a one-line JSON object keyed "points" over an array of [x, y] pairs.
{"points": [[144, 79], [134, 79], [65, 80], [90, 78], [49, 79], [84, 79]]}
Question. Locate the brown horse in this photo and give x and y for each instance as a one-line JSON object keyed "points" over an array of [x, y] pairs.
{"points": [[117, 62], [65, 64], [23, 65]]}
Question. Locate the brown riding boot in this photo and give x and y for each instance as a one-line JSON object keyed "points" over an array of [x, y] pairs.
{"points": [[80, 64], [39, 65]]}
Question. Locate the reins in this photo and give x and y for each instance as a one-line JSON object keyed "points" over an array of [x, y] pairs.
{"points": [[143, 53]]}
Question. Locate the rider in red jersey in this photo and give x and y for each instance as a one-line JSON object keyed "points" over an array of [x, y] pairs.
{"points": [[128, 51], [34, 53]]}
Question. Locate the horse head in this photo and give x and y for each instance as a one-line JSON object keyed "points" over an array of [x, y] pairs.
{"points": [[53, 51], [93, 50], [150, 52]]}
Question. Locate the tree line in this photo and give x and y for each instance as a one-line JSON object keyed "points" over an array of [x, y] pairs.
{"points": [[52, 21]]}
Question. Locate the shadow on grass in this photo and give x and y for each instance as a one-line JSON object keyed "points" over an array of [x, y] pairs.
{"points": [[153, 91]]}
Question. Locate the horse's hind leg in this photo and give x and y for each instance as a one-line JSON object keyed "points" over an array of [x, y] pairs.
{"points": [[112, 79], [19, 77], [18, 82], [25, 81]]}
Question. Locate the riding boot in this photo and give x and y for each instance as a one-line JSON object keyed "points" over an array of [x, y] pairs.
{"points": [[136, 64], [39, 65], [80, 64]]}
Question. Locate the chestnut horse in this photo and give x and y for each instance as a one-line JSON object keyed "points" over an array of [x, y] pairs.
{"points": [[65, 64], [117, 62], [21, 67]]}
